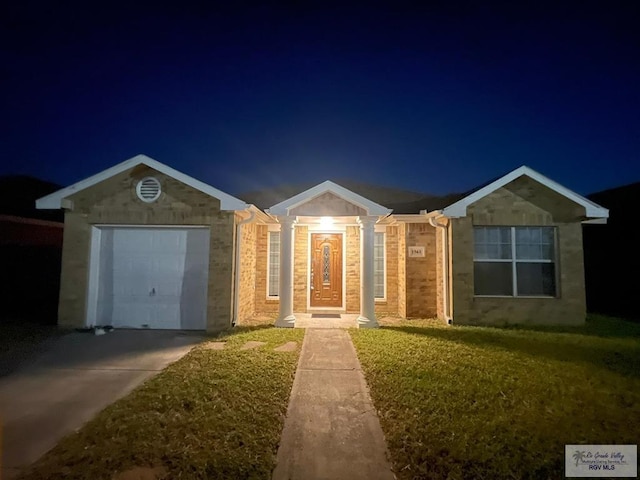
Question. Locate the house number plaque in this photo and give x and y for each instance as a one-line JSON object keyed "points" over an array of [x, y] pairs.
{"points": [[416, 251]]}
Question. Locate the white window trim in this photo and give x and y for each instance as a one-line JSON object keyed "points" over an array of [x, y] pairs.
{"points": [[384, 268], [271, 297], [514, 262]]}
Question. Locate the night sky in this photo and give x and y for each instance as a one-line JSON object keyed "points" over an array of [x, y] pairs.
{"points": [[434, 100]]}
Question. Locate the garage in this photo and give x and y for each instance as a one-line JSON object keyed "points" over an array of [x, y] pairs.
{"points": [[150, 277]]}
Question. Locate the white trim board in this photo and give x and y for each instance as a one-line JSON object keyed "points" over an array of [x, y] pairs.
{"points": [[459, 208], [55, 199]]}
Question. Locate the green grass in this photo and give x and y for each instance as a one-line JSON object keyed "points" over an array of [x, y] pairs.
{"points": [[484, 403], [213, 414]]}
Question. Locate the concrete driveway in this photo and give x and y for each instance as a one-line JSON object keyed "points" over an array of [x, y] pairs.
{"points": [[78, 375]]}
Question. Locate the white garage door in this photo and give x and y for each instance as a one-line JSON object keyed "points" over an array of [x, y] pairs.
{"points": [[153, 277]]}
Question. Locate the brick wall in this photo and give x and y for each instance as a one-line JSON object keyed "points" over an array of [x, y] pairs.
{"points": [[402, 270], [353, 269], [114, 201], [247, 282], [262, 304], [421, 279], [221, 265], [443, 285], [72, 305], [300, 268], [504, 207], [440, 313]]}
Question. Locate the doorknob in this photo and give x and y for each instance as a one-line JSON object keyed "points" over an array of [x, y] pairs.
{"points": [[152, 292]]}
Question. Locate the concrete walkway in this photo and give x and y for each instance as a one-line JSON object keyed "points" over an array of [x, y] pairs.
{"points": [[77, 376], [331, 430]]}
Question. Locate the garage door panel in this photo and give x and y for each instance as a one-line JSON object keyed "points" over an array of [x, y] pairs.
{"points": [[130, 314], [197, 243], [141, 315], [155, 278], [172, 242]]}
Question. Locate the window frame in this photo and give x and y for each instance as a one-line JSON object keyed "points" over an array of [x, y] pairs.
{"points": [[269, 233], [384, 268], [514, 261]]}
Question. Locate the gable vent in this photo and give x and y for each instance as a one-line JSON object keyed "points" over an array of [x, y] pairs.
{"points": [[148, 189]]}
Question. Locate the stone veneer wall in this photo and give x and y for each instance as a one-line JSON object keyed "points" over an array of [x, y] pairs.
{"points": [[114, 201], [504, 207]]}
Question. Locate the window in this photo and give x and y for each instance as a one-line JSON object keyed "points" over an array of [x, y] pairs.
{"points": [[273, 264], [378, 266], [514, 261]]}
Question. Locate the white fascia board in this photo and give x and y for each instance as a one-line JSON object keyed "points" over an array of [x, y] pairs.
{"points": [[459, 208], [372, 208], [54, 200], [260, 216]]}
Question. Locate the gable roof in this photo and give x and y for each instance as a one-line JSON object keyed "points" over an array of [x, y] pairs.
{"points": [[328, 186], [459, 208], [54, 200]]}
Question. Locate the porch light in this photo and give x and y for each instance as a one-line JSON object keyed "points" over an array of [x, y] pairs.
{"points": [[326, 222]]}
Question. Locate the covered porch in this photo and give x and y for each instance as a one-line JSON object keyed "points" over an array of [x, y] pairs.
{"points": [[325, 253]]}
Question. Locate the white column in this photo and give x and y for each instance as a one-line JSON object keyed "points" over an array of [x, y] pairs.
{"points": [[286, 318], [367, 318]]}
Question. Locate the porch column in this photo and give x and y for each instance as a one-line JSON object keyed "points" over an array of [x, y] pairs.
{"points": [[285, 292], [367, 318]]}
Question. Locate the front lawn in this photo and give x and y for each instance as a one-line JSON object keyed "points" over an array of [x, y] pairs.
{"points": [[213, 414], [484, 403]]}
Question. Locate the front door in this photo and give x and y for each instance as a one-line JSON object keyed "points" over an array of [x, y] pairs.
{"points": [[326, 270]]}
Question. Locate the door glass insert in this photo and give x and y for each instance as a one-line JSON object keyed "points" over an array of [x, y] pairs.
{"points": [[325, 264]]}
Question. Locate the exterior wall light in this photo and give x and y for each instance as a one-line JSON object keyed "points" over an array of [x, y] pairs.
{"points": [[326, 222]]}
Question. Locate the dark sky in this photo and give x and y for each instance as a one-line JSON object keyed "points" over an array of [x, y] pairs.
{"points": [[434, 100]]}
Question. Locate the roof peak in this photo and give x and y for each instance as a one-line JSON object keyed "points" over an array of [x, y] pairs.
{"points": [[284, 207], [54, 200]]}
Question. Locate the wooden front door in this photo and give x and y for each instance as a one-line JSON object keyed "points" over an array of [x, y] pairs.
{"points": [[326, 270]]}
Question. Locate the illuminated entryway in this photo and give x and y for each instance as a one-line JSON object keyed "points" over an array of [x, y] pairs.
{"points": [[316, 210]]}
